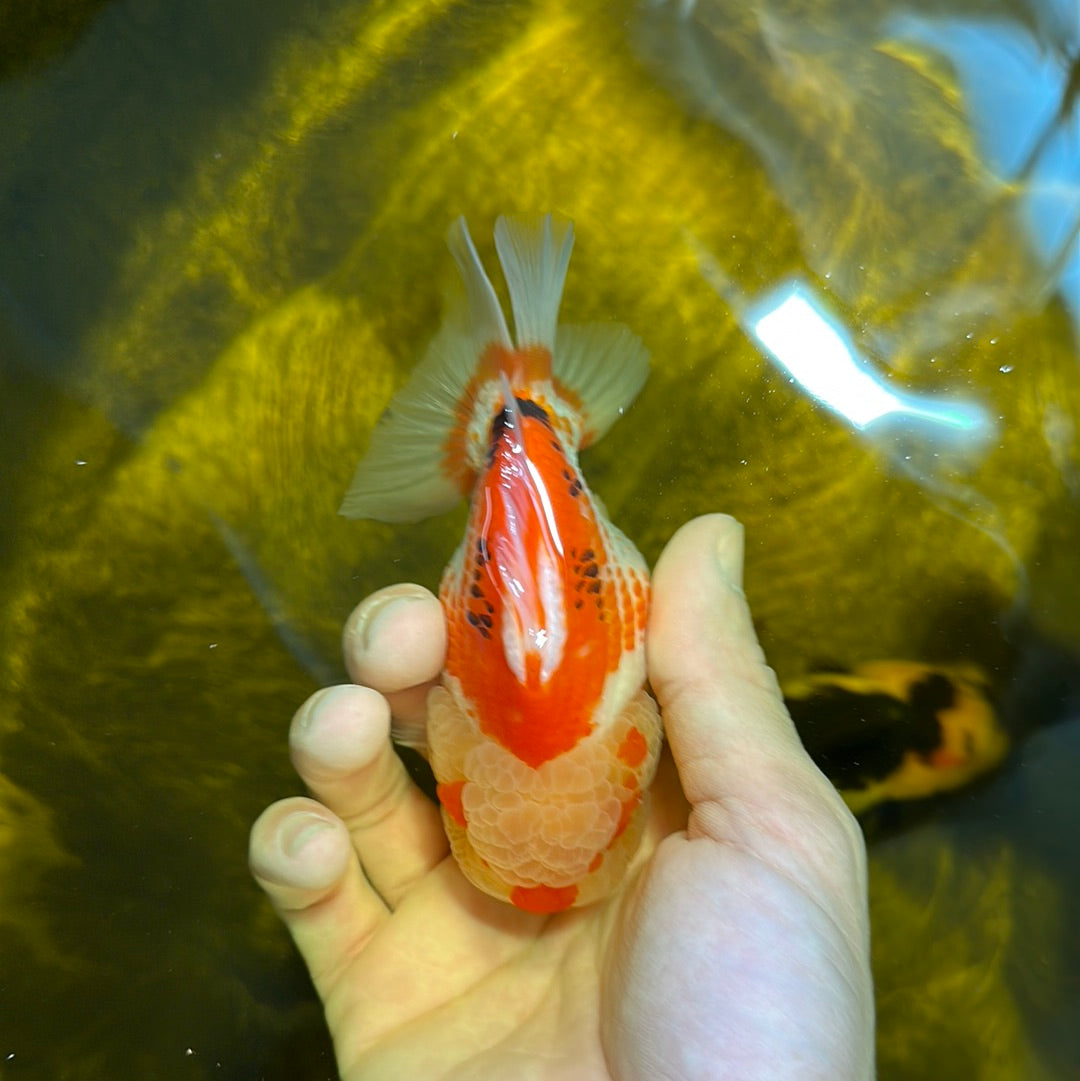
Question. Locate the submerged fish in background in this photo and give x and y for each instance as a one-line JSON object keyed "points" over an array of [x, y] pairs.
{"points": [[542, 741], [898, 730]]}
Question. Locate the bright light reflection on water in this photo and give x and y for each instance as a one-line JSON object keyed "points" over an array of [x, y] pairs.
{"points": [[791, 323]]}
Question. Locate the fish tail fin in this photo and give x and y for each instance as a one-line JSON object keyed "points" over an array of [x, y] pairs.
{"points": [[597, 369], [416, 465], [418, 462], [534, 259]]}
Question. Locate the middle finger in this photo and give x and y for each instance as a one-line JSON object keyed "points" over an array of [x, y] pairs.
{"points": [[340, 745]]}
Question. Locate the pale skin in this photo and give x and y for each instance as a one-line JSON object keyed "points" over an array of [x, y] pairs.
{"points": [[737, 947]]}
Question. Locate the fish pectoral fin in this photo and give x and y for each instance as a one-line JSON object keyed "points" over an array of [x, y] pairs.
{"points": [[603, 366], [407, 473], [410, 734], [416, 464]]}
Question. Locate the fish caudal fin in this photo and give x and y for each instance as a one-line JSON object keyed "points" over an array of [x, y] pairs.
{"points": [[487, 324], [598, 368], [424, 450], [534, 259], [415, 466]]}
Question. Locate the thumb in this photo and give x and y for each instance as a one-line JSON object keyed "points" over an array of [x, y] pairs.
{"points": [[729, 730], [750, 783]]}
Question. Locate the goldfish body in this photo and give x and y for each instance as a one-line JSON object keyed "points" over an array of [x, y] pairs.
{"points": [[541, 738]]}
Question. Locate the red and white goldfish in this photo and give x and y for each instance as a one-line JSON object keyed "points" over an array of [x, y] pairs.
{"points": [[542, 739]]}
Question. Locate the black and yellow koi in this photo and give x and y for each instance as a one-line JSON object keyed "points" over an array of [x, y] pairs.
{"points": [[898, 730]]}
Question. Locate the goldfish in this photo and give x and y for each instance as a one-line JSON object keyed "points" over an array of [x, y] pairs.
{"points": [[898, 730], [541, 736]]}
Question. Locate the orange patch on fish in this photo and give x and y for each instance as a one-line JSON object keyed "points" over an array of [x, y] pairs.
{"points": [[633, 748], [944, 759], [625, 814], [450, 800], [543, 899]]}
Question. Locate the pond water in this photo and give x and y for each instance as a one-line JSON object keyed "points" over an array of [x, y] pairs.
{"points": [[221, 250]]}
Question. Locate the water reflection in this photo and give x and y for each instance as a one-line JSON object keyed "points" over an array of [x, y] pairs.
{"points": [[793, 327], [853, 103], [1021, 94], [939, 440], [907, 149], [792, 324]]}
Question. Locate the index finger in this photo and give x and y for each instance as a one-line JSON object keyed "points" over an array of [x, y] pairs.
{"points": [[395, 643]]}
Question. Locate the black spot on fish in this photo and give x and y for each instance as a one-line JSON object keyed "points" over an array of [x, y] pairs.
{"points": [[502, 420], [531, 409], [928, 698]]}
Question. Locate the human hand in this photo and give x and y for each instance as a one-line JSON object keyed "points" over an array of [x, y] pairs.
{"points": [[736, 947]]}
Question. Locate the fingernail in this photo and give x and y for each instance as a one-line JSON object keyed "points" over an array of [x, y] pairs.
{"points": [[372, 615], [298, 830], [729, 553], [317, 704]]}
